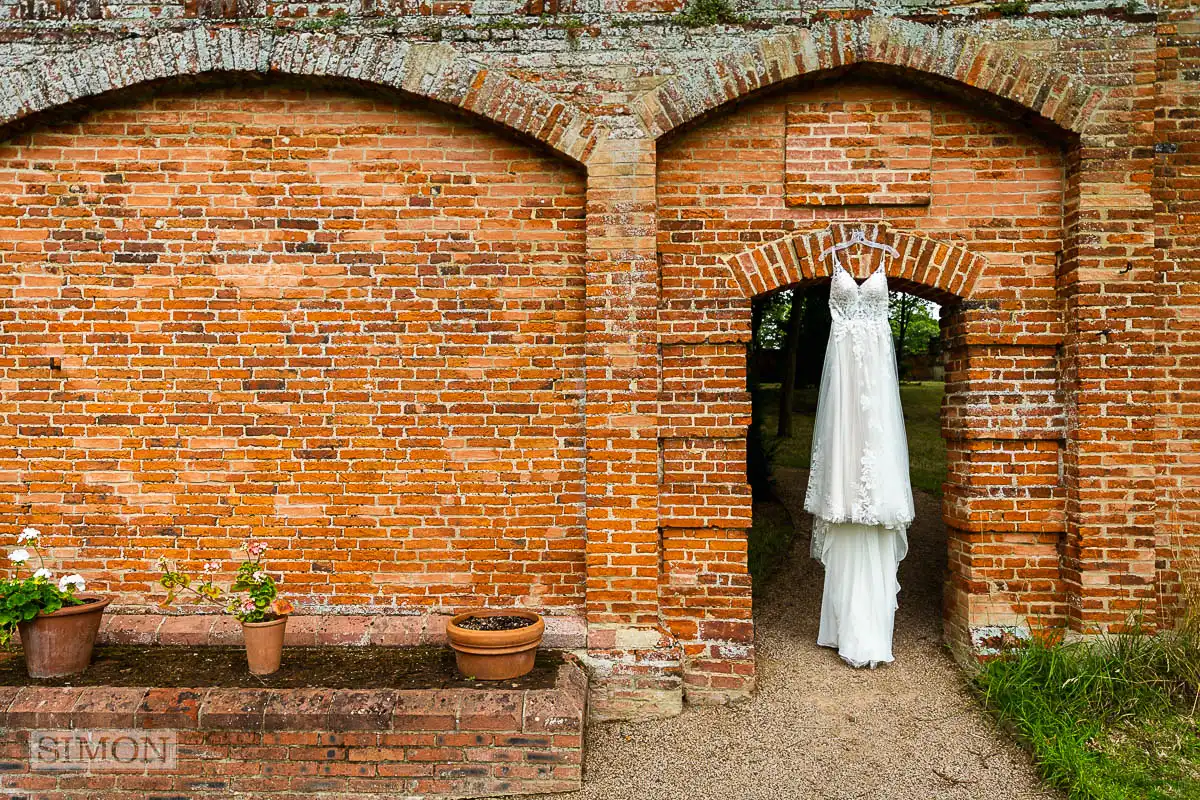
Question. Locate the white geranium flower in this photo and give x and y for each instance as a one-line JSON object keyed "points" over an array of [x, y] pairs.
{"points": [[42, 573], [259, 576], [75, 580], [18, 556], [28, 535]]}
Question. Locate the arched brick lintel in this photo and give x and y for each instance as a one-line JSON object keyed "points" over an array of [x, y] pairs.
{"points": [[949, 270], [1065, 100], [436, 72]]}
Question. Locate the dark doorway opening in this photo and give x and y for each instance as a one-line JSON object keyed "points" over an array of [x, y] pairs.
{"points": [[791, 328]]}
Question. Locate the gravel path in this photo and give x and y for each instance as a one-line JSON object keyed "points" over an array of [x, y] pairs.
{"points": [[816, 728]]}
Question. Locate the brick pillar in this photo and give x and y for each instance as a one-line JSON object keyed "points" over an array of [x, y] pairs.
{"points": [[1107, 282], [705, 508], [634, 663], [1004, 504], [1177, 207]]}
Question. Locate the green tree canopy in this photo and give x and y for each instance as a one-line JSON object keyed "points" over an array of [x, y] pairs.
{"points": [[914, 323], [772, 325]]}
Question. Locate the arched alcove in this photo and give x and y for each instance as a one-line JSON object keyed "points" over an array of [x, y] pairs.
{"points": [[310, 312], [981, 234], [945, 56], [436, 72]]}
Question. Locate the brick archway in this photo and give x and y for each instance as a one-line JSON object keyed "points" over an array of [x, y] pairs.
{"points": [[435, 72], [946, 270], [953, 55], [1040, 453], [1005, 436]]}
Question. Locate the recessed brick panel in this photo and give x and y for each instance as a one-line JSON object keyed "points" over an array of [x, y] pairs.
{"points": [[866, 152], [347, 326], [704, 484]]}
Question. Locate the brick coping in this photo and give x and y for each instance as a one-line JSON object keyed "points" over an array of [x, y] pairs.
{"points": [[559, 708], [563, 632]]}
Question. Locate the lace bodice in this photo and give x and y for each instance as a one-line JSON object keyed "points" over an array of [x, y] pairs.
{"points": [[850, 302]]}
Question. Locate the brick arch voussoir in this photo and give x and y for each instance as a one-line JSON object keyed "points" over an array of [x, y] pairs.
{"points": [[1065, 100], [434, 71], [949, 270]]}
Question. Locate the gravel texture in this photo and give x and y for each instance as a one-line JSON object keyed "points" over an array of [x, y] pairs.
{"points": [[817, 728]]}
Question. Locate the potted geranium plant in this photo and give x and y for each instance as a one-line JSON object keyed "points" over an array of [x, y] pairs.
{"points": [[253, 598], [58, 625]]}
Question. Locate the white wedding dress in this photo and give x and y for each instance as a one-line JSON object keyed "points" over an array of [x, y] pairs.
{"points": [[858, 488]]}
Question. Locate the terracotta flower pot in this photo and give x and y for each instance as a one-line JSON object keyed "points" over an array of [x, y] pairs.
{"points": [[264, 645], [61, 643], [495, 655]]}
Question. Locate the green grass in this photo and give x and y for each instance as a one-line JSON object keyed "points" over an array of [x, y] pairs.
{"points": [[1113, 719], [922, 403]]}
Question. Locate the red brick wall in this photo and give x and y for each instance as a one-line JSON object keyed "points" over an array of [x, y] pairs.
{"points": [[1108, 281], [1069, 416], [349, 326]]}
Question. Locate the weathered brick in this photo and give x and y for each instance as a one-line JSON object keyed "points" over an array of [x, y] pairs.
{"points": [[170, 708]]}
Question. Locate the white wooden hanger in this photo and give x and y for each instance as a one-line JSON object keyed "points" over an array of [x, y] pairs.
{"points": [[858, 237]]}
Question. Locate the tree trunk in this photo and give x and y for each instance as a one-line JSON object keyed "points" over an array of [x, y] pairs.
{"points": [[758, 468], [817, 323], [756, 313], [787, 391], [906, 305]]}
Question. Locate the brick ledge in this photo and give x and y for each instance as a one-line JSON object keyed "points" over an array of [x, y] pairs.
{"points": [[562, 632]]}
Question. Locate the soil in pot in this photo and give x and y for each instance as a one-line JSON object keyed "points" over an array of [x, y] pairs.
{"points": [[496, 623], [61, 643]]}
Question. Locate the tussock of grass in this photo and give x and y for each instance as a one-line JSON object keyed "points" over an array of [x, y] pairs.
{"points": [[1183, 613], [1112, 719]]}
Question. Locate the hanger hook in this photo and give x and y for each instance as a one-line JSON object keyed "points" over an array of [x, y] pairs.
{"points": [[859, 236]]}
